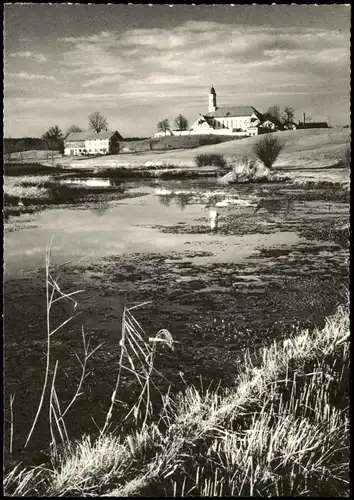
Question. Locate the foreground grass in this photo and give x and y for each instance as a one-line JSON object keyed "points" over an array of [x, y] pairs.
{"points": [[282, 430]]}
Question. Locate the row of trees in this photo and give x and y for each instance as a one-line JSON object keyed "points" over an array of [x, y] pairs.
{"points": [[280, 118], [181, 123]]}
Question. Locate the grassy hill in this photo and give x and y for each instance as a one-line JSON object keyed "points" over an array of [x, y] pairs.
{"points": [[314, 147], [172, 142]]}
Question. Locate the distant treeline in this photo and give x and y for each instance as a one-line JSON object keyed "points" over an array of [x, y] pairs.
{"points": [[16, 145], [26, 144], [313, 125], [135, 138]]}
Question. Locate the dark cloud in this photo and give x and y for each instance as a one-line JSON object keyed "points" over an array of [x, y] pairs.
{"points": [[169, 67]]}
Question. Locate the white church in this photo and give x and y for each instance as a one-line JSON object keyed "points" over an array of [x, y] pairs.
{"points": [[238, 121]]}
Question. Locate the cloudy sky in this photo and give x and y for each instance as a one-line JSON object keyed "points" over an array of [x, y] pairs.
{"points": [[139, 64]]}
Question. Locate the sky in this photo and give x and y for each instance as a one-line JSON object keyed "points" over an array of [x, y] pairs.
{"points": [[140, 64]]}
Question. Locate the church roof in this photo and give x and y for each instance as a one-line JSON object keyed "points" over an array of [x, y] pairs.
{"points": [[208, 119], [233, 111], [89, 136], [212, 90]]}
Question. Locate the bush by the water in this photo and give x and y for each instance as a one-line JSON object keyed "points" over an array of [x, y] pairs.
{"points": [[246, 170], [208, 160], [267, 149]]}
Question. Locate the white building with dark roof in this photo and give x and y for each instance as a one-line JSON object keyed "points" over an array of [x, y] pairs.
{"points": [[86, 143], [227, 120]]}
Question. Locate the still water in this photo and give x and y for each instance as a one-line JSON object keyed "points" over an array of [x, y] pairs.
{"points": [[134, 225]]}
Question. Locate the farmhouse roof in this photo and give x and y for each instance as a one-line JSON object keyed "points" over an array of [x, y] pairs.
{"points": [[89, 136], [233, 111]]}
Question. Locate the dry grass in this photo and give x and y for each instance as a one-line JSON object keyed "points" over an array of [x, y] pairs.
{"points": [[206, 160], [26, 187], [245, 170], [282, 430]]}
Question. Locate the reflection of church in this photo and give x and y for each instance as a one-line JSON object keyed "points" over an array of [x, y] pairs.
{"points": [[227, 120]]}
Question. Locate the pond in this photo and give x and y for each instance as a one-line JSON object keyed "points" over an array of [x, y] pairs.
{"points": [[132, 225], [263, 273]]}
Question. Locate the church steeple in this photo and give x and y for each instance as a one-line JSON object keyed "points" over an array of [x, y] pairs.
{"points": [[212, 99]]}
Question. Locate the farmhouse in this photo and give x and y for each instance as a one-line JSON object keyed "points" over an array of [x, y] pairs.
{"points": [[83, 143]]}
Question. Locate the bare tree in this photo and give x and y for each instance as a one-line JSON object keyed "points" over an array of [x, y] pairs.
{"points": [[97, 122], [273, 112], [73, 128], [289, 114], [163, 126], [181, 122]]}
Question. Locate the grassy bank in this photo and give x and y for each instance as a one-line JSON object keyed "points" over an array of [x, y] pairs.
{"points": [[20, 169], [283, 429], [24, 193]]}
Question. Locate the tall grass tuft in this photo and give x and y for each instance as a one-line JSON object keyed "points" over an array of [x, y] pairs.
{"points": [[53, 295], [206, 160], [267, 149]]}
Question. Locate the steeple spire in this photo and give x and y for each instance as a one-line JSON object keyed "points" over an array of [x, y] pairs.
{"points": [[212, 99]]}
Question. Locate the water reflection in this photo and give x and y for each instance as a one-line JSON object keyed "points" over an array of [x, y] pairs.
{"points": [[275, 205], [183, 199], [91, 182], [165, 199], [100, 208]]}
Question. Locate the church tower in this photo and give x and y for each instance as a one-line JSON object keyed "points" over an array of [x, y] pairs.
{"points": [[212, 100]]}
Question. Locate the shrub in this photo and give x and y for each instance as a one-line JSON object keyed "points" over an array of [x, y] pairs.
{"points": [[209, 140], [206, 160], [267, 149]]}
